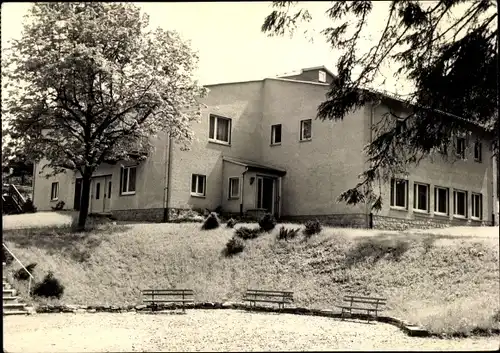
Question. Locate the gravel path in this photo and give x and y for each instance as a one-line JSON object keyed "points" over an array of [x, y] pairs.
{"points": [[212, 330]]}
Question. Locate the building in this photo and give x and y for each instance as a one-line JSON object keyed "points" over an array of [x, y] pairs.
{"points": [[259, 147]]}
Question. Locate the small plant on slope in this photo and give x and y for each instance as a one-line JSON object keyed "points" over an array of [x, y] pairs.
{"points": [[50, 287], [6, 257], [234, 246], [312, 227], [267, 222], [22, 275], [285, 234], [246, 233], [212, 222], [231, 223]]}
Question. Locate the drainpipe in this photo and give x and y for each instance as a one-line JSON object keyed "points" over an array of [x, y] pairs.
{"points": [[242, 190], [168, 171], [33, 184], [367, 205]]}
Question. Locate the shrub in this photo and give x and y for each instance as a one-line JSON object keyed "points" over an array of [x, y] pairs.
{"points": [[50, 287], [211, 222], [22, 275], [231, 223], [28, 206], [234, 246], [59, 206], [312, 227], [6, 257], [247, 233], [267, 222], [285, 234]]}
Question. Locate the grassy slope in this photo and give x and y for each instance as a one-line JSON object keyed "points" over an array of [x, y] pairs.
{"points": [[444, 282]]}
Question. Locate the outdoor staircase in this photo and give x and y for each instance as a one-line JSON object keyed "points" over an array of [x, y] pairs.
{"points": [[12, 305], [12, 201]]}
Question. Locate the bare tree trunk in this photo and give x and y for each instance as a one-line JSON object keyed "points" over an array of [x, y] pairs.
{"points": [[84, 201]]}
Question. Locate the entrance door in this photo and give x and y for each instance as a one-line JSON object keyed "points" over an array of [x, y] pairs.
{"points": [[266, 193], [100, 195]]}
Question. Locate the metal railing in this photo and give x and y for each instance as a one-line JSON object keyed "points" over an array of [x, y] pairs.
{"points": [[16, 197], [20, 263]]}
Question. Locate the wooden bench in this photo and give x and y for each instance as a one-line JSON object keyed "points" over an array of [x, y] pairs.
{"points": [[268, 296], [167, 296], [371, 305]]}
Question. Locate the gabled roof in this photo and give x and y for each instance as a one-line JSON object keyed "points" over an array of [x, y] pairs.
{"points": [[251, 165]]}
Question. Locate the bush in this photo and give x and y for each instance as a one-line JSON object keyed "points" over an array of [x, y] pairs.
{"points": [[267, 222], [312, 227], [59, 206], [50, 287], [247, 233], [22, 275], [285, 234], [28, 206], [234, 246], [231, 223], [6, 257], [211, 222]]}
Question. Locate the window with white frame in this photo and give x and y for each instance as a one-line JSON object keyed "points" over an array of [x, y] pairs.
{"points": [[276, 134], [460, 144], [421, 197], [478, 151], [198, 185], [399, 193], [460, 203], [305, 130], [54, 191], [321, 76], [234, 188], [128, 179], [220, 129], [441, 200], [477, 206]]}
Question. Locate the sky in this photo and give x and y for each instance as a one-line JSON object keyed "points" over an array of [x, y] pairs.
{"points": [[228, 39]]}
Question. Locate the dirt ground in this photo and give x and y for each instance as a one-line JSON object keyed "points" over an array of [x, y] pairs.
{"points": [[212, 330]]}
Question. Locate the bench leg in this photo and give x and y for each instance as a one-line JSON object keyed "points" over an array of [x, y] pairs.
{"points": [[342, 315]]}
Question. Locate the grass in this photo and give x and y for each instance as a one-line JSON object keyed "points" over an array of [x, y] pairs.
{"points": [[447, 283]]}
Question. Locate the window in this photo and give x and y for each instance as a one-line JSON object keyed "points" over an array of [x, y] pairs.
{"points": [[128, 176], [54, 191], [478, 155], [198, 185], [109, 190], [421, 197], [305, 129], [321, 76], [460, 147], [399, 193], [460, 203], [276, 134], [234, 188], [477, 206], [220, 129], [98, 191], [441, 200]]}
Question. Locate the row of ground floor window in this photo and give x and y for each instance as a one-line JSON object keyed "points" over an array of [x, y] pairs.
{"points": [[422, 199]]}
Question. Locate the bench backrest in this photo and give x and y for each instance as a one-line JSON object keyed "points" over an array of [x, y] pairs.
{"points": [[269, 293], [182, 292], [365, 300]]}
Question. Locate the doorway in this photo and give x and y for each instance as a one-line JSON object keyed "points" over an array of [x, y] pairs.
{"points": [[266, 194], [100, 194]]}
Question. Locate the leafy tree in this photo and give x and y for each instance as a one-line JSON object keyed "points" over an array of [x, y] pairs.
{"points": [[17, 160], [89, 83], [447, 49]]}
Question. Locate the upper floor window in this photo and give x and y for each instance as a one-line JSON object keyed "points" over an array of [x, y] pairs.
{"points": [[54, 191], [478, 153], [306, 130], [220, 129], [460, 147], [128, 175], [276, 134], [399, 193], [321, 76], [198, 185]]}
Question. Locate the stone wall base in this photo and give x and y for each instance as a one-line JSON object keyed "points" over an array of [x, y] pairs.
{"points": [[353, 220], [146, 215], [420, 222]]}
